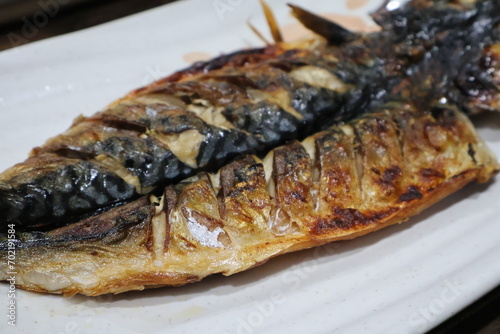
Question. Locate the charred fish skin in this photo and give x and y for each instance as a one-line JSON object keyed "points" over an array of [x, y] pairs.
{"points": [[458, 46], [163, 134], [197, 119], [378, 169], [207, 115], [78, 185], [346, 181]]}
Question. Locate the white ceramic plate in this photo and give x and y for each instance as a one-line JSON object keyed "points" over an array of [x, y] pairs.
{"points": [[403, 279]]}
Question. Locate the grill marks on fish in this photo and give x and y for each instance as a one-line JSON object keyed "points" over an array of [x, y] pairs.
{"points": [[349, 180], [253, 100], [382, 175], [300, 195], [338, 166], [292, 174], [170, 129]]}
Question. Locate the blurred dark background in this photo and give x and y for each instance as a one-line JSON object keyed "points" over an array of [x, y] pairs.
{"points": [[25, 21]]}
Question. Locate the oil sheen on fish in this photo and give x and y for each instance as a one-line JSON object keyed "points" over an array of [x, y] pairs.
{"points": [[349, 180], [457, 45], [197, 119], [249, 102], [395, 138]]}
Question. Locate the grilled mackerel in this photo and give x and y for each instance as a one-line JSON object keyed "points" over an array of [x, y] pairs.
{"points": [[349, 180], [198, 119], [249, 102], [400, 141]]}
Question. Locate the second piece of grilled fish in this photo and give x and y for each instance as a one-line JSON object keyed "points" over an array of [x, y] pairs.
{"points": [[352, 179]]}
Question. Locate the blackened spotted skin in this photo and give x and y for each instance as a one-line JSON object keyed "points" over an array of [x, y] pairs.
{"points": [[417, 40], [258, 127], [269, 123], [448, 38], [108, 228], [320, 107], [178, 122], [146, 158], [221, 145], [75, 187]]}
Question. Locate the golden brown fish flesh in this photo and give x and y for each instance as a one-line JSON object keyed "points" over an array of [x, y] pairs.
{"points": [[352, 179], [251, 101], [107, 207]]}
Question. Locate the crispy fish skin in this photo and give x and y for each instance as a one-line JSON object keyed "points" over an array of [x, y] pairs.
{"points": [[457, 47], [197, 119], [352, 179], [349, 180], [249, 102]]}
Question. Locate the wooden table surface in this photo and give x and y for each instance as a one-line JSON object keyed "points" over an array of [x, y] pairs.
{"points": [[482, 317]]}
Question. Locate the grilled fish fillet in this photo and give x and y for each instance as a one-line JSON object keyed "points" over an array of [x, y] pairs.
{"points": [[249, 102], [197, 119], [349, 180], [400, 141]]}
